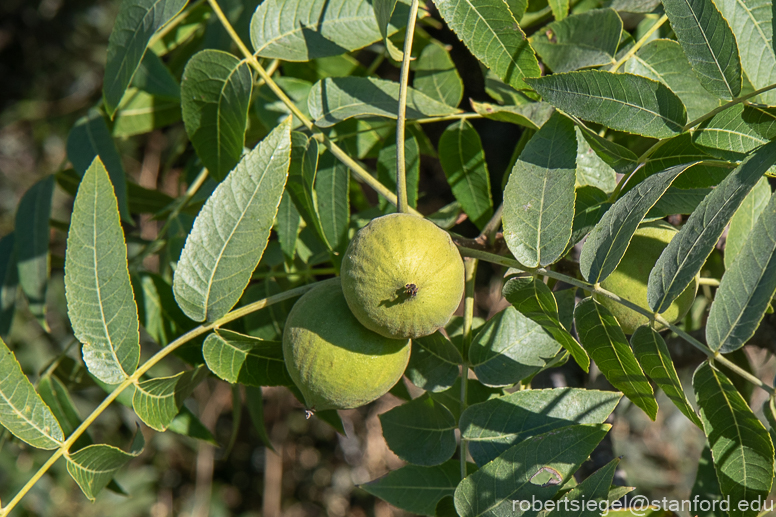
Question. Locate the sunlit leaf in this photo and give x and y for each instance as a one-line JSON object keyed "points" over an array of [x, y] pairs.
{"points": [[532, 115]]}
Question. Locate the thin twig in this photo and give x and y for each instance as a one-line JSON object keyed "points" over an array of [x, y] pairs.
{"points": [[470, 271]]}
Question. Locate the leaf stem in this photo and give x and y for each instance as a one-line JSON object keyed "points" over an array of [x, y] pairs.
{"points": [[185, 338], [361, 173], [491, 228], [640, 43], [727, 105], [401, 112], [470, 272], [708, 281]]}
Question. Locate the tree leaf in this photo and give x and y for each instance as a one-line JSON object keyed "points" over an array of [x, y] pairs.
{"points": [[436, 75], [332, 184], [604, 340], [335, 99], [136, 22], [560, 8], [433, 363], [91, 137], [9, 283], [215, 95], [383, 11], [417, 489], [746, 288], [752, 24], [569, 44], [93, 467], [287, 226], [493, 426], [706, 486], [534, 299], [539, 196], [100, 301], [709, 44], [594, 488], [232, 230], [32, 245], [734, 132], [740, 445], [592, 170], [255, 402], [609, 240], [386, 169], [22, 411], [157, 401], [509, 348], [624, 102], [238, 358], [685, 254], [619, 158], [664, 60], [491, 33], [159, 315], [301, 180], [154, 78], [509, 477], [744, 219], [421, 431], [654, 357], [141, 113], [532, 115], [463, 161], [56, 397]]}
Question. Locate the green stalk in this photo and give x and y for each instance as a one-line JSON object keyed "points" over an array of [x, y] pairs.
{"points": [[401, 113], [640, 43], [470, 272]]}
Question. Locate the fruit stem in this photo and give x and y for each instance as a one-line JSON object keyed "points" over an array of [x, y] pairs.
{"points": [[401, 175], [470, 272]]}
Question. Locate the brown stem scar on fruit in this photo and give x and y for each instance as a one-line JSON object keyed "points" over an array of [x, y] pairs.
{"points": [[411, 290]]}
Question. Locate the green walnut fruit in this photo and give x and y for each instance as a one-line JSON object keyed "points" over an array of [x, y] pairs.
{"points": [[335, 361], [402, 276], [631, 277]]}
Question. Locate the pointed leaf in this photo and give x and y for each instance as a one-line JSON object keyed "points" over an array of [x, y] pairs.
{"points": [[141, 113], [100, 301], [255, 402], [239, 358], [604, 340], [685, 254], [383, 11], [592, 170], [420, 432], [654, 357], [463, 161], [55, 395], [94, 466], [9, 283], [609, 240], [476, 392], [491, 33], [594, 488], [491, 490], [532, 115], [493, 426], [746, 288], [740, 445], [159, 315], [706, 486], [22, 411], [731, 134], [157, 401], [624, 102], [560, 8], [386, 169], [436, 76], [744, 219], [619, 158], [539, 197], [287, 226], [153, 77], [136, 22], [335, 99], [301, 180], [215, 95], [332, 184], [433, 363], [232, 230], [709, 44]]}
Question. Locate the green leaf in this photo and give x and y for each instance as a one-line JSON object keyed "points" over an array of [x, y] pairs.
{"points": [[159, 315], [301, 180], [238, 358], [560, 8], [255, 402], [740, 445], [272, 111], [570, 44], [491, 490], [22, 411], [100, 301], [535, 300], [215, 96], [654, 357], [287, 226], [332, 184], [539, 196], [93, 467], [56, 397], [187, 424], [493, 426], [619, 158], [335, 99], [592, 170], [685, 254], [433, 363], [154, 78], [421, 431], [157, 401], [491, 33], [633, 6], [32, 245], [752, 24], [436, 75], [594, 488], [678, 201], [706, 486], [141, 113], [9, 283], [232, 230], [664, 60], [509, 348], [386, 169], [624, 102], [417, 489], [463, 161], [91, 137], [383, 11], [476, 392], [746, 288], [609, 240], [532, 115], [136, 22], [709, 44], [734, 132], [744, 219], [606, 343]]}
